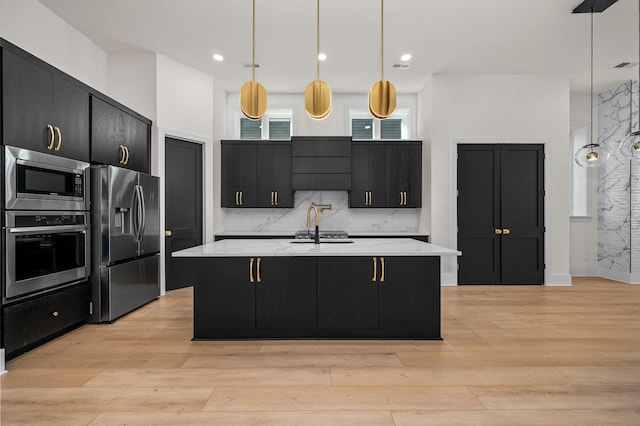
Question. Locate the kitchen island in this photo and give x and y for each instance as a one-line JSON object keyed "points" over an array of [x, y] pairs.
{"points": [[284, 288]]}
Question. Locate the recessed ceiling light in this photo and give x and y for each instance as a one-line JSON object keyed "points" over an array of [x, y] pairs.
{"points": [[406, 57], [322, 56], [218, 57]]}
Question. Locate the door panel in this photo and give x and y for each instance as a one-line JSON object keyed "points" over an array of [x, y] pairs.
{"points": [[183, 204], [71, 109], [501, 213], [151, 232], [239, 175], [478, 214]]}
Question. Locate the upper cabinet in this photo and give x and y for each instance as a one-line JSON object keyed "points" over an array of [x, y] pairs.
{"points": [[256, 174], [386, 174], [118, 138], [43, 109]]}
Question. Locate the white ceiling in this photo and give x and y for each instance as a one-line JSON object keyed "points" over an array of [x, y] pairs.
{"points": [[444, 37]]}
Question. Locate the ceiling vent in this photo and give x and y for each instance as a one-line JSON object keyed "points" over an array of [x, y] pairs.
{"points": [[626, 65], [248, 65], [402, 66]]}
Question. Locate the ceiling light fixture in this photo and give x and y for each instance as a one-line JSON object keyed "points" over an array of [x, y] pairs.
{"points": [[630, 145], [382, 96], [406, 57], [317, 96], [592, 154], [218, 57], [322, 56], [253, 95]]}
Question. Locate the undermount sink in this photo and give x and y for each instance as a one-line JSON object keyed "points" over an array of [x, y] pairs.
{"points": [[322, 241]]}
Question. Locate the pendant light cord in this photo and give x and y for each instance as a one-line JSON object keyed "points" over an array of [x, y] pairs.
{"points": [[253, 44], [591, 93], [317, 38], [381, 39]]}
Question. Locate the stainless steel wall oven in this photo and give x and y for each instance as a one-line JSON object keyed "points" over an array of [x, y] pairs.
{"points": [[45, 250]]}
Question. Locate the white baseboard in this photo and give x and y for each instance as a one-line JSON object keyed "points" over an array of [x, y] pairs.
{"points": [[449, 279], [558, 280], [584, 271], [624, 277]]}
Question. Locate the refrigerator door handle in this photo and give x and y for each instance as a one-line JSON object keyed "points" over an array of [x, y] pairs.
{"points": [[144, 213]]}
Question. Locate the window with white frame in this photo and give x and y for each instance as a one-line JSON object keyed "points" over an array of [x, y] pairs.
{"points": [[363, 126], [580, 136]]}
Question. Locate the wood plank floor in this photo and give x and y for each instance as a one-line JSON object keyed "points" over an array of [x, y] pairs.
{"points": [[511, 355]]}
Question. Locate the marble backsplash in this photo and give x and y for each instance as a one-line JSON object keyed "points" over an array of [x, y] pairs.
{"points": [[340, 217], [618, 184]]}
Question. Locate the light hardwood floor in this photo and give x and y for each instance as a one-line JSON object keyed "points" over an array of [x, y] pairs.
{"points": [[511, 355]]}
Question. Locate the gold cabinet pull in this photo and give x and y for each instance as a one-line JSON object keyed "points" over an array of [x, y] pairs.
{"points": [[370, 198], [497, 231], [258, 270], [240, 197], [237, 198], [506, 231], [273, 200], [52, 141], [57, 148], [126, 149], [55, 313], [382, 271], [167, 233], [405, 198], [251, 280], [276, 197], [375, 269], [121, 154], [366, 198]]}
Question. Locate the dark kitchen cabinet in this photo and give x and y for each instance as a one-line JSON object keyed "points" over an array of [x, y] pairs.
{"points": [[43, 109], [387, 296], [256, 174], [254, 297], [119, 138], [386, 174], [32, 322]]}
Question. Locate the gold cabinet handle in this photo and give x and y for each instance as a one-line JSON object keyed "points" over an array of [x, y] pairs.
{"points": [[370, 198], [366, 198], [276, 197], [272, 199], [382, 271], [55, 313], [52, 141], [506, 231], [497, 231], [240, 197], [237, 198], [57, 148], [258, 270], [251, 270], [121, 154], [405, 198], [375, 269], [126, 149], [167, 233]]}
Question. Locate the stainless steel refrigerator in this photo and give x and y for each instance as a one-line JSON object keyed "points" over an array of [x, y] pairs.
{"points": [[126, 241]]}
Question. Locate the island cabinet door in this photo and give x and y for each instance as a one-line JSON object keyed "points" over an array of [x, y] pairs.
{"points": [[347, 294], [286, 293], [409, 297], [224, 296]]}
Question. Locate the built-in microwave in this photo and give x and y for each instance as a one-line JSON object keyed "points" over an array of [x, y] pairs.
{"points": [[38, 181]]}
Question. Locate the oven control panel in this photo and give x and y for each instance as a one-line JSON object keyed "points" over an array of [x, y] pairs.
{"points": [[49, 220]]}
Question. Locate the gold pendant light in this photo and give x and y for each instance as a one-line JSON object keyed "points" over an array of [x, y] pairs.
{"points": [[317, 95], [382, 96], [253, 95]]}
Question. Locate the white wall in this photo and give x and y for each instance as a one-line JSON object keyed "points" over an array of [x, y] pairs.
{"points": [[584, 230], [31, 26], [133, 81], [503, 109]]}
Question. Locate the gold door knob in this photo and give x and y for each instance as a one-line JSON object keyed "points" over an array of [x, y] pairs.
{"points": [[167, 233], [497, 231], [506, 231], [55, 313]]}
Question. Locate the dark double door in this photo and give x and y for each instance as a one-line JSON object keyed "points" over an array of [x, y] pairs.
{"points": [[501, 213]]}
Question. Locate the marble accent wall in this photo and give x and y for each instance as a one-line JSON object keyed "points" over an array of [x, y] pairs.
{"points": [[618, 186], [340, 217]]}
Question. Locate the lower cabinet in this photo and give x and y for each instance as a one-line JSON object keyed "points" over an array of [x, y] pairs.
{"points": [[32, 322], [315, 297], [253, 297], [379, 296]]}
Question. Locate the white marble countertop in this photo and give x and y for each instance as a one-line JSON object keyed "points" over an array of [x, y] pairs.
{"points": [[290, 234], [289, 247]]}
